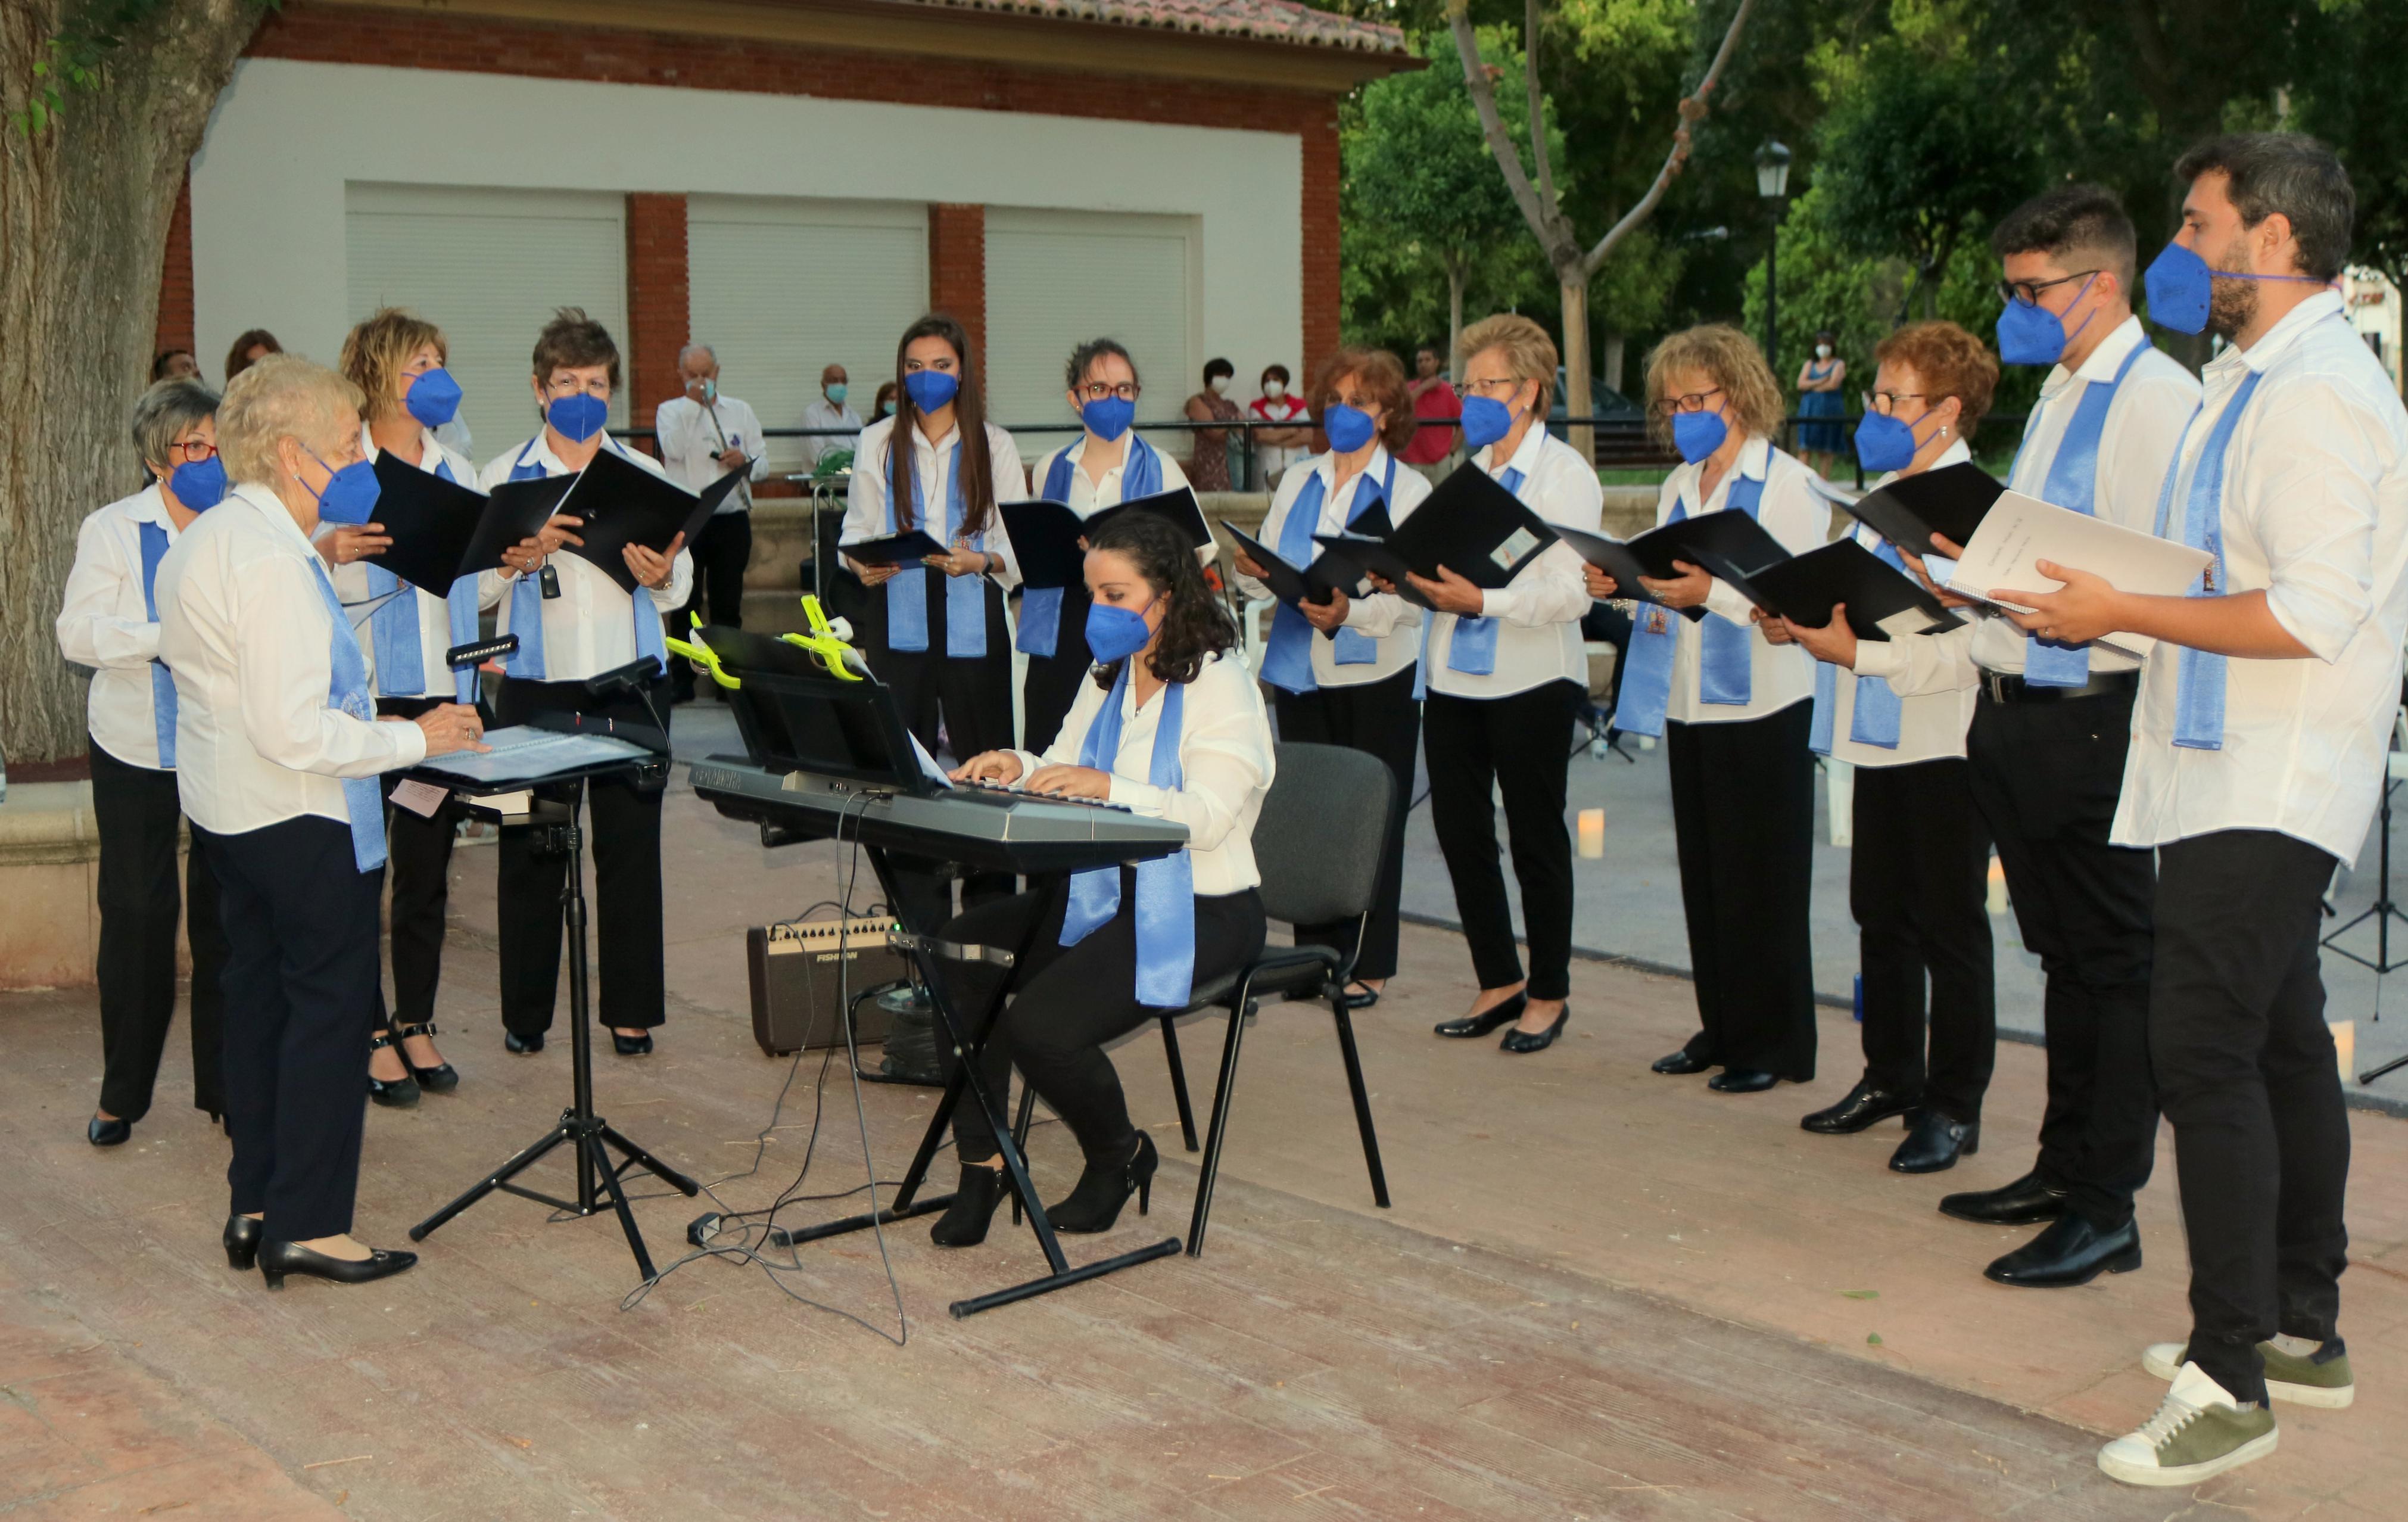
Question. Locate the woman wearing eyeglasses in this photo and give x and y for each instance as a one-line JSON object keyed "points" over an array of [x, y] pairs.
{"points": [[1108, 464], [1735, 710]]}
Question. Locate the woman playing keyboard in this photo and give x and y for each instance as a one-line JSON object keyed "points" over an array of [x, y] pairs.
{"points": [[1171, 724]]}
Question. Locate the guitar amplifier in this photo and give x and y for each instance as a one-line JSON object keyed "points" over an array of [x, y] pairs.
{"points": [[802, 971]]}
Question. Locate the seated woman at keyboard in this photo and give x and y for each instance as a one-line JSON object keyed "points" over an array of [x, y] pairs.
{"points": [[1171, 724]]}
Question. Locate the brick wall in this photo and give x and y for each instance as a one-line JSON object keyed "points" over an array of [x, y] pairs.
{"points": [[957, 271], [175, 278], [658, 314]]}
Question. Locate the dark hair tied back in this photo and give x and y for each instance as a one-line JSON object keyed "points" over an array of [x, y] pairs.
{"points": [[1196, 626]]}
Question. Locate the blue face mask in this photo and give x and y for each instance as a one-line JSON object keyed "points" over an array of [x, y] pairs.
{"points": [[1115, 634], [1486, 420], [199, 484], [1885, 444], [432, 397], [578, 418], [2034, 335], [1349, 428], [1697, 435], [835, 393], [932, 390], [2180, 287], [350, 495], [1109, 417]]}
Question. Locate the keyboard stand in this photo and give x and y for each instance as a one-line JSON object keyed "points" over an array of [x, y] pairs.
{"points": [[927, 952]]}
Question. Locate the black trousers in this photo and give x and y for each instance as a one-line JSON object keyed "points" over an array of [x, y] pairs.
{"points": [[301, 977], [1380, 719], [2246, 1069], [721, 552], [420, 866], [138, 812], [2046, 777], [1521, 745], [1068, 1001], [971, 701], [1743, 821], [624, 842], [1918, 878], [1052, 684]]}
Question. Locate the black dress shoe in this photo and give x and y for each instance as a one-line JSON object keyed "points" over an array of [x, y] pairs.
{"points": [[1742, 1080], [108, 1133], [1350, 998], [278, 1259], [1678, 1064], [1865, 1105], [1933, 1142], [2028, 1202], [522, 1045], [241, 1241], [632, 1046], [1518, 1040], [2069, 1251], [1484, 1022], [441, 1079]]}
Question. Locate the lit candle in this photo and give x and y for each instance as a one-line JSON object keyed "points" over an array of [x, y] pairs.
{"points": [[2344, 1035], [1998, 886], [1592, 834]]}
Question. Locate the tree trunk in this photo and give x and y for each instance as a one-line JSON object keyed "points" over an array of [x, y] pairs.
{"points": [[84, 206], [1456, 269], [1578, 403]]}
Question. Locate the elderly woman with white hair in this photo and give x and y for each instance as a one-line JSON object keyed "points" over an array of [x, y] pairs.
{"points": [[278, 753]]}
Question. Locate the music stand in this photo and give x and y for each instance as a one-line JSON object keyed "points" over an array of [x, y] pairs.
{"points": [[588, 1134]]}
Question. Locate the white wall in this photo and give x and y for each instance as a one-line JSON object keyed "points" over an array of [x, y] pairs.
{"points": [[269, 184]]}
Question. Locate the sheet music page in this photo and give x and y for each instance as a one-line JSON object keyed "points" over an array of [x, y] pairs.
{"points": [[521, 751], [2021, 531], [928, 766]]}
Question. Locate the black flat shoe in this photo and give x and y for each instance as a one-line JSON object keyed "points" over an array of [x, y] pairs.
{"points": [[2070, 1251], [441, 1079], [632, 1046], [2028, 1202], [526, 1046], [1867, 1104], [278, 1259], [1678, 1064], [1097, 1203], [1518, 1040], [241, 1241], [1348, 998], [1934, 1143], [1484, 1022], [1742, 1080], [393, 1094], [965, 1221], [108, 1133]]}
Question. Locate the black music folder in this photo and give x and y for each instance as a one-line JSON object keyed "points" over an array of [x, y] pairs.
{"points": [[513, 511], [1883, 602], [908, 548], [1620, 561], [623, 504], [1331, 570], [433, 523], [1910, 510], [1470, 524], [1179, 506], [1044, 538]]}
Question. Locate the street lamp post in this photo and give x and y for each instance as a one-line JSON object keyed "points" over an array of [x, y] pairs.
{"points": [[1772, 184]]}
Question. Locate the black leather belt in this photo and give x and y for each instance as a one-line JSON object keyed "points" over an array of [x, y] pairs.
{"points": [[1999, 687]]}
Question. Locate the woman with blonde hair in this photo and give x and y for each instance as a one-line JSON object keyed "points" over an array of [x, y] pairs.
{"points": [[1735, 710]]}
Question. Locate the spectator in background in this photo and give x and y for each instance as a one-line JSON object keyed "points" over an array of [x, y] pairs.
{"points": [[703, 436], [175, 365], [886, 401], [247, 351], [1436, 406], [829, 409], [1208, 465], [1276, 449], [1819, 380]]}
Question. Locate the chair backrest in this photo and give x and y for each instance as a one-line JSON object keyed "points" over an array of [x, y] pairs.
{"points": [[1323, 827]]}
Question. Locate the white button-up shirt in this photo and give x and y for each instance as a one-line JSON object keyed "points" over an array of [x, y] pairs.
{"points": [[1799, 519], [104, 624], [434, 613], [2315, 515], [1088, 496], [590, 628], [245, 628], [932, 465], [821, 413], [1541, 609], [691, 435], [1226, 764], [1394, 623]]}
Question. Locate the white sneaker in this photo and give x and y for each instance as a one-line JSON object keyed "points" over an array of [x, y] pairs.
{"points": [[2299, 1380], [2197, 1433]]}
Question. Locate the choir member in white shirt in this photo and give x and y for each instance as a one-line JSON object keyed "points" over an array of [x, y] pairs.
{"points": [[1918, 874], [1739, 710], [1505, 672], [936, 633], [1171, 726], [277, 751], [704, 435], [2267, 704], [1107, 464], [109, 620], [829, 409], [1342, 673], [397, 359], [593, 626]]}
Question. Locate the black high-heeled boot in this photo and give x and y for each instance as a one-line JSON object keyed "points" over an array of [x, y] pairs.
{"points": [[1102, 1190], [241, 1241], [965, 1221]]}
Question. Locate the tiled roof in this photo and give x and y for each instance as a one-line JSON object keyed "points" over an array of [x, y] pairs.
{"points": [[1265, 21]]}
